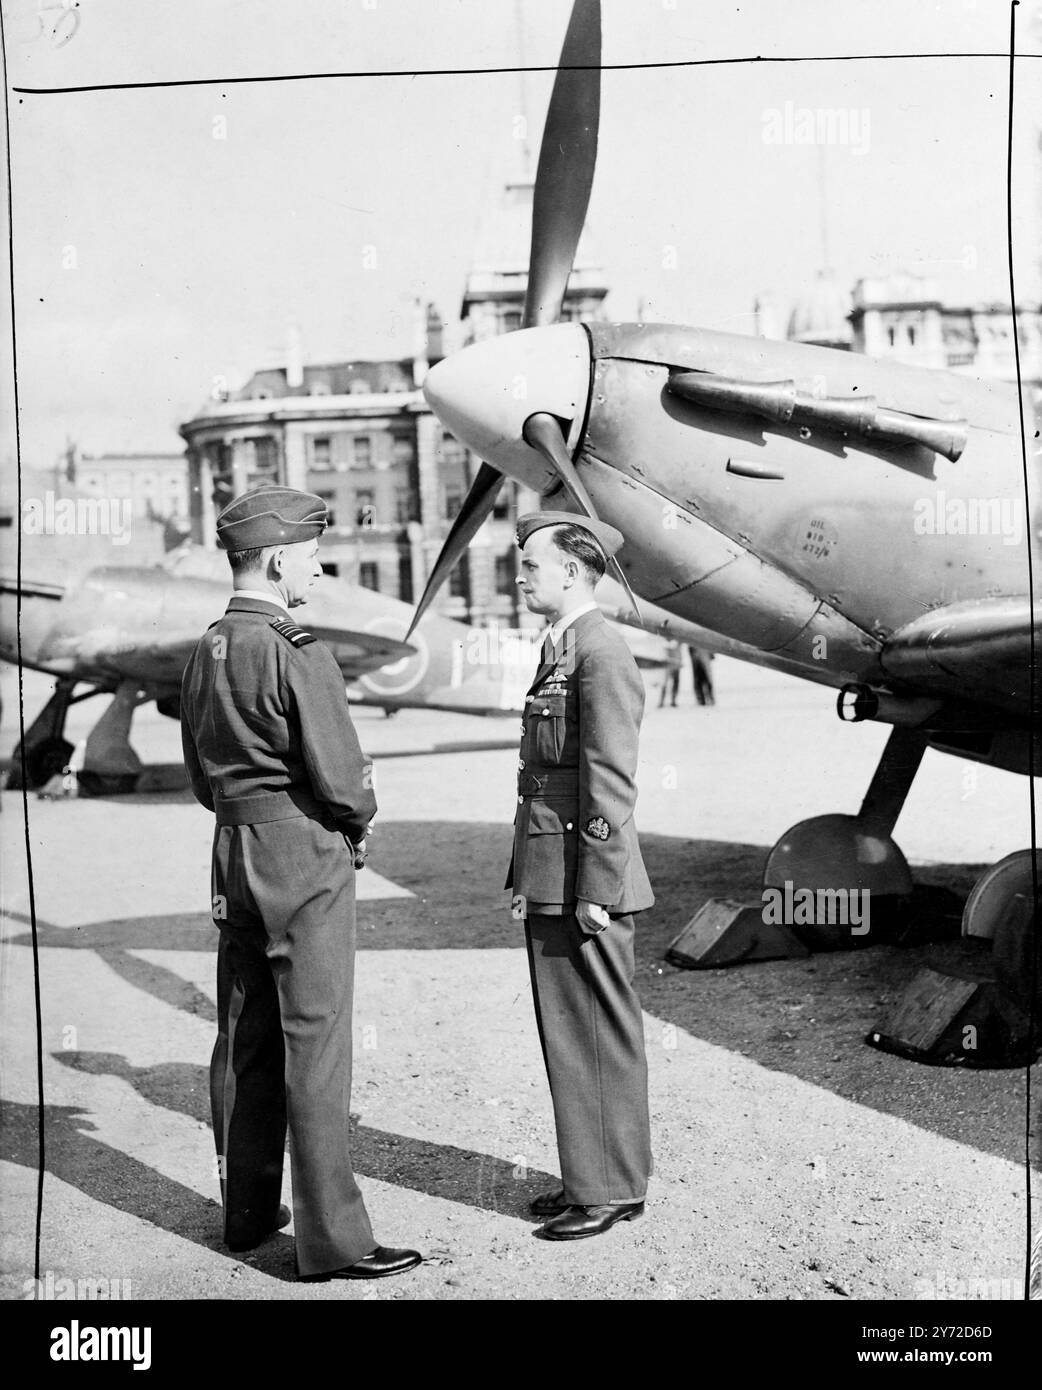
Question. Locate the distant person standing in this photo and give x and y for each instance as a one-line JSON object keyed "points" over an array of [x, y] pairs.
{"points": [[269, 746], [673, 662], [701, 660]]}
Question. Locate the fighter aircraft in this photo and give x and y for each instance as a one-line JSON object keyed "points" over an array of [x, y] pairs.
{"points": [[128, 630], [862, 524]]}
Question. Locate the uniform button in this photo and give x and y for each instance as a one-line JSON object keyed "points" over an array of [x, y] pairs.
{"points": [[546, 711], [568, 826], [520, 799], [522, 730], [520, 764], [529, 699]]}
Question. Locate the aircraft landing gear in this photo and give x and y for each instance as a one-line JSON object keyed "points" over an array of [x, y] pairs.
{"points": [[47, 750], [978, 1011], [110, 765], [1001, 909], [831, 882], [852, 854]]}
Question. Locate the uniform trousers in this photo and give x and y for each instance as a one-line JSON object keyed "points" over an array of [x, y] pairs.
{"points": [[592, 1034], [285, 904]]}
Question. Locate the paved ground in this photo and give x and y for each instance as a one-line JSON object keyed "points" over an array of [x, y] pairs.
{"points": [[792, 1161]]}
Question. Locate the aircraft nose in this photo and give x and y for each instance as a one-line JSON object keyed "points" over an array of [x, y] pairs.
{"points": [[485, 393]]}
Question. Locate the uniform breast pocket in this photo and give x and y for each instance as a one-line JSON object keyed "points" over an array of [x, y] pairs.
{"points": [[554, 729]]}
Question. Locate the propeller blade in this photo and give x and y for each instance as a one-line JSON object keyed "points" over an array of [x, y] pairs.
{"points": [[477, 506], [543, 432], [567, 158], [619, 574], [564, 178]]}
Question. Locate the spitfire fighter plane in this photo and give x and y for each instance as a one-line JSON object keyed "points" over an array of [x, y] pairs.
{"points": [[782, 496]]}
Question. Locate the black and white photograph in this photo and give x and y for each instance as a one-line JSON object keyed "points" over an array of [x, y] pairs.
{"points": [[521, 685]]}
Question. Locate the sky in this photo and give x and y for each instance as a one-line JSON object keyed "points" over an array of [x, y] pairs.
{"points": [[165, 237]]}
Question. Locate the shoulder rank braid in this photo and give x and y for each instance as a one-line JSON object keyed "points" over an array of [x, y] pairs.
{"points": [[292, 632]]}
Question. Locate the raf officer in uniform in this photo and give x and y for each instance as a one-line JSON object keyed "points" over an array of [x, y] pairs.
{"points": [[270, 748], [578, 877]]}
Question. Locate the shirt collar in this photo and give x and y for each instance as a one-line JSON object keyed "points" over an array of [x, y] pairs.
{"points": [[262, 597], [555, 629]]}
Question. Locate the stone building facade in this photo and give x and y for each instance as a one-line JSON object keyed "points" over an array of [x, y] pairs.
{"points": [[361, 436], [903, 317]]}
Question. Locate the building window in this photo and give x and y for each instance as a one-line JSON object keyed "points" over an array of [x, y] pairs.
{"points": [[403, 451], [328, 498], [459, 585], [365, 508], [506, 573], [911, 335], [362, 451], [322, 452], [404, 577], [331, 568], [360, 387], [511, 320], [891, 334], [453, 501], [452, 451], [403, 506], [369, 575], [260, 460]]}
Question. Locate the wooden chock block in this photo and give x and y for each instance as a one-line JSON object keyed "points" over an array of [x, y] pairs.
{"points": [[947, 1021], [724, 932]]}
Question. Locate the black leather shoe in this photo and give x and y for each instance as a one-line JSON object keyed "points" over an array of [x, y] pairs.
{"points": [[550, 1203], [250, 1242], [378, 1264], [579, 1222]]}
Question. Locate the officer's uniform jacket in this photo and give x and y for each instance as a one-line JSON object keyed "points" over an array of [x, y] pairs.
{"points": [[265, 725], [574, 835]]}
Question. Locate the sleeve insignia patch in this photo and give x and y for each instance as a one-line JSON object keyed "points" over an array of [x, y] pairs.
{"points": [[292, 632], [598, 828]]}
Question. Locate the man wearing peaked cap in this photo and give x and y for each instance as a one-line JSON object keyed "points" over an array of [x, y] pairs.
{"points": [[270, 748], [578, 878]]}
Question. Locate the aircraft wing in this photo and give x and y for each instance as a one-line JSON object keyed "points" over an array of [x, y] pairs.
{"points": [[104, 656], [130, 623], [980, 650], [359, 652]]}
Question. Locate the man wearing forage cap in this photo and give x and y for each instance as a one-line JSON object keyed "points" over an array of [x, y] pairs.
{"points": [[578, 877], [270, 748]]}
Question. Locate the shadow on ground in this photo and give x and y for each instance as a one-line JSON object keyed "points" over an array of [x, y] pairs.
{"points": [[807, 1018], [107, 1174]]}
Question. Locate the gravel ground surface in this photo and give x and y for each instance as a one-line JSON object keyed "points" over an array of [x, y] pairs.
{"points": [[792, 1161]]}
